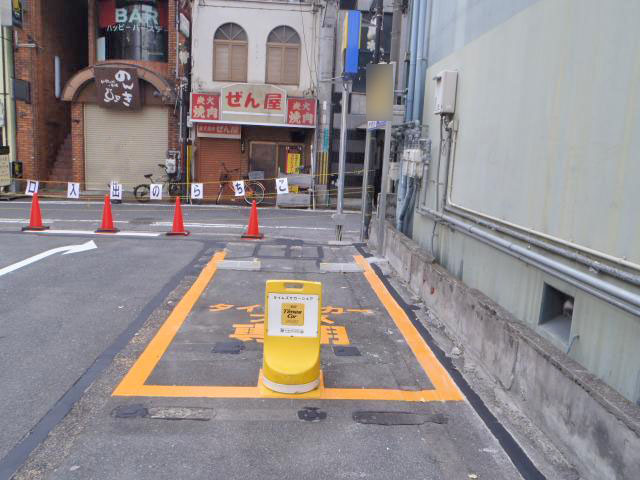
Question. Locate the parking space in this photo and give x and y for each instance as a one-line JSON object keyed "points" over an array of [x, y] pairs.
{"points": [[210, 345]]}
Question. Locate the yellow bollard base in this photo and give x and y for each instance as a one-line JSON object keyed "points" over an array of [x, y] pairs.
{"points": [[290, 389], [268, 385]]}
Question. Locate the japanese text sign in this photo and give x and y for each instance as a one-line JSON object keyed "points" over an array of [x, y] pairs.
{"points": [[115, 191], [282, 185], [301, 111], [118, 87], [32, 187], [293, 315], [197, 191], [219, 130], [252, 105], [155, 191], [247, 102], [205, 106], [238, 188], [73, 190]]}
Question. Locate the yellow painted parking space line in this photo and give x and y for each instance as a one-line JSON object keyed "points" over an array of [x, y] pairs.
{"points": [[133, 384], [145, 364], [439, 377]]}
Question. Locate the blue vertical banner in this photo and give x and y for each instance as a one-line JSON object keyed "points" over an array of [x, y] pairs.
{"points": [[351, 41]]}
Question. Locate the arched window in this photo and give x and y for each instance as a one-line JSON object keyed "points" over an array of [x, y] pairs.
{"points": [[230, 54], [283, 56]]}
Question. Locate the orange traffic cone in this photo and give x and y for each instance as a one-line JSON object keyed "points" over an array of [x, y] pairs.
{"points": [[253, 231], [178, 224], [107, 218], [35, 222]]}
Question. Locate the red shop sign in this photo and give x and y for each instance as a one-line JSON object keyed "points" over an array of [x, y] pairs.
{"points": [[205, 106], [301, 111], [219, 130]]}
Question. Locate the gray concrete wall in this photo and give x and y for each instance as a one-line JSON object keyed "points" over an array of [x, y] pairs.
{"points": [[456, 23], [595, 427], [549, 135]]}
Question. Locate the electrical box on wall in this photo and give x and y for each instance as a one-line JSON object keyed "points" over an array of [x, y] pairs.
{"points": [[445, 92]]}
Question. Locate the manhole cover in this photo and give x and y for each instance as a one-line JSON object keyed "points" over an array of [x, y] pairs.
{"points": [[143, 221]]}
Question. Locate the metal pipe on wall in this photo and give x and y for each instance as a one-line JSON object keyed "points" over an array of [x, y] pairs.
{"points": [[418, 95], [613, 294], [412, 58], [563, 252]]}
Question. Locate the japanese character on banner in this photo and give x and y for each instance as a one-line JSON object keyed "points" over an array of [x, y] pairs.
{"points": [[115, 191], [155, 191], [295, 117], [234, 99], [199, 111], [73, 190], [238, 187], [197, 192], [282, 185], [32, 187], [273, 101]]}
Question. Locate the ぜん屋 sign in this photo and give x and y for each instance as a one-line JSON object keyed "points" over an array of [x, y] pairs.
{"points": [[253, 105]]}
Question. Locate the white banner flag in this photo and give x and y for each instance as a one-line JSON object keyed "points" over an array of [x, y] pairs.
{"points": [[115, 191], [238, 187], [32, 187], [282, 185], [155, 191], [73, 190], [197, 191]]}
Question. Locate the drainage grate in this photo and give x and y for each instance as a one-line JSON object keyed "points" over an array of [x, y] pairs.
{"points": [[232, 347], [342, 351]]}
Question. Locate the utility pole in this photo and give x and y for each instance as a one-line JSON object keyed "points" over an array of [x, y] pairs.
{"points": [[346, 87], [378, 18]]}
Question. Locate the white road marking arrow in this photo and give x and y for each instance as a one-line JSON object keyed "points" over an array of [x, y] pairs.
{"points": [[83, 247]]}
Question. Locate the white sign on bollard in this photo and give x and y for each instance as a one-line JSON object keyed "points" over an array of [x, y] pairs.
{"points": [[115, 191], [197, 192], [32, 187], [73, 190], [155, 191], [282, 185], [292, 315], [238, 187]]}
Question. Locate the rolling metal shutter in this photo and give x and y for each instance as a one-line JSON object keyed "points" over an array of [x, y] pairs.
{"points": [[124, 146], [212, 153]]}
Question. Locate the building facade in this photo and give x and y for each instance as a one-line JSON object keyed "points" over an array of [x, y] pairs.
{"points": [[254, 101], [126, 105], [41, 51], [536, 200]]}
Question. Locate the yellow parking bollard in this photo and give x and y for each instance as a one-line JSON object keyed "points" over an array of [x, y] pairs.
{"points": [[291, 360]]}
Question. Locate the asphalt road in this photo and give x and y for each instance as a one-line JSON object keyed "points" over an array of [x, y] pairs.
{"points": [[72, 326], [204, 220]]}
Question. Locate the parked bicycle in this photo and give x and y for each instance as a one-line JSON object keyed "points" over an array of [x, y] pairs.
{"points": [[142, 191], [253, 190]]}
